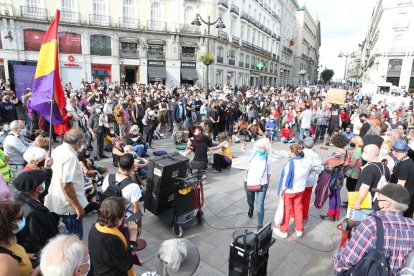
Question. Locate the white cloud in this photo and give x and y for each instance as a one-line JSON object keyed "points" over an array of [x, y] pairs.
{"points": [[344, 24]]}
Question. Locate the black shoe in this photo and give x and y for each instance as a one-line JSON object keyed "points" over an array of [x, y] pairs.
{"points": [[250, 213], [326, 217], [104, 156], [144, 155], [96, 158]]}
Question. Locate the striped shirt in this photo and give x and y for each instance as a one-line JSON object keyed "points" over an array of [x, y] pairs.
{"points": [[398, 241]]}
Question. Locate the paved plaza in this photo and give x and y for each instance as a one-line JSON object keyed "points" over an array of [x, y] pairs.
{"points": [[225, 210]]}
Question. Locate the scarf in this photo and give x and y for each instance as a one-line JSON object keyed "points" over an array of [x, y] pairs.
{"points": [[290, 176], [114, 231], [261, 154]]}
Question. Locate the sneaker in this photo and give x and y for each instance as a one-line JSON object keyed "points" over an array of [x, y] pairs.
{"points": [[250, 213], [277, 232], [299, 234]]}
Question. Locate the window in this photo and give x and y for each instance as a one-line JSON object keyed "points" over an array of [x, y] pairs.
{"points": [[188, 14], [271, 67], [155, 15], [68, 5], [99, 7], [100, 45], [33, 40], [232, 26], [247, 60], [128, 49], [394, 65], [33, 9], [69, 13], [242, 32], [70, 43], [220, 51], [99, 16], [128, 8]]}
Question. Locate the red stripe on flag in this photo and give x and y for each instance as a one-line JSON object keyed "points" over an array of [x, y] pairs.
{"points": [[53, 29]]}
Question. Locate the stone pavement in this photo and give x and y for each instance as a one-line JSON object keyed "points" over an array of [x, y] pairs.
{"points": [[225, 211]]}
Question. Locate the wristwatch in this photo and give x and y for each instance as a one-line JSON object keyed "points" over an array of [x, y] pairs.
{"points": [[132, 245]]}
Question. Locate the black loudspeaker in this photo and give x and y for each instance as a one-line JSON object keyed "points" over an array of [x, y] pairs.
{"points": [[161, 182]]}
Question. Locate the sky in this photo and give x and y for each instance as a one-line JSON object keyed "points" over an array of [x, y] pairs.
{"points": [[344, 24]]}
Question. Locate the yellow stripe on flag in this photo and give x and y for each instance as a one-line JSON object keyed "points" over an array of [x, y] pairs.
{"points": [[47, 59]]}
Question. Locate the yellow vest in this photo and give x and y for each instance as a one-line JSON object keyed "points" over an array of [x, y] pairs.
{"points": [[4, 167]]}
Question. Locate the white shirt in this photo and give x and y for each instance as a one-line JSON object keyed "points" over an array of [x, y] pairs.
{"points": [[302, 170], [258, 171], [14, 147], [132, 192], [356, 122], [306, 117], [66, 169], [316, 167]]}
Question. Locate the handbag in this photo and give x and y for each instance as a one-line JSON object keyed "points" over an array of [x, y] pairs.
{"points": [[255, 187], [279, 211], [322, 190]]}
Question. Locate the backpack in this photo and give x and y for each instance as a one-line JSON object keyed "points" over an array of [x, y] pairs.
{"points": [[374, 262], [4, 250], [383, 181], [115, 188]]}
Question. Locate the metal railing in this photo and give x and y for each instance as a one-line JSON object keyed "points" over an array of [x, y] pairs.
{"points": [[189, 56], [235, 40], [222, 35], [189, 29], [158, 26], [247, 65], [6, 9], [224, 3], [70, 17], [244, 16], [232, 61], [95, 51], [241, 64], [99, 19], [128, 23], [219, 59], [34, 12], [234, 9], [286, 49]]}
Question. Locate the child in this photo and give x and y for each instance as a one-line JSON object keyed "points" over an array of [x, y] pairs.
{"points": [[287, 134]]}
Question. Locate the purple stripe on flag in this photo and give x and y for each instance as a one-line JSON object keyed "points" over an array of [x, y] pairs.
{"points": [[42, 96]]}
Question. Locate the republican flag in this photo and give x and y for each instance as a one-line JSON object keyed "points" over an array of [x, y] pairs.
{"points": [[47, 86]]}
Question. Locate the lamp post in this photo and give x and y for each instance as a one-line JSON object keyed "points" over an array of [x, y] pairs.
{"points": [[220, 25], [347, 55]]}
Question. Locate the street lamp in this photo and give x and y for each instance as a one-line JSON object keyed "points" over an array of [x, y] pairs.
{"points": [[220, 25], [351, 55]]}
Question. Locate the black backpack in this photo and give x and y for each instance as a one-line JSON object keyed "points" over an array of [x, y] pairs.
{"points": [[4, 250], [115, 188], [374, 262]]}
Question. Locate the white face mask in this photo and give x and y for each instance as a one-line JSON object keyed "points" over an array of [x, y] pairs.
{"points": [[43, 185]]}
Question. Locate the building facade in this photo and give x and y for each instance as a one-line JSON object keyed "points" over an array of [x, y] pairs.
{"points": [[387, 53], [148, 41], [306, 48]]}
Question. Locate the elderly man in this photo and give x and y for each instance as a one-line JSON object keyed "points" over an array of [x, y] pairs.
{"points": [[66, 192], [14, 146], [369, 178], [403, 172], [392, 200], [65, 256]]}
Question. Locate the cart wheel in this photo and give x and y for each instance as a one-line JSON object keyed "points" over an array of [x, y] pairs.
{"points": [[178, 230]]}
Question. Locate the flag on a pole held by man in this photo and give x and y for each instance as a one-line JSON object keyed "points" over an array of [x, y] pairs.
{"points": [[47, 89]]}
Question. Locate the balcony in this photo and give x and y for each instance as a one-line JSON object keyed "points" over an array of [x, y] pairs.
{"points": [[219, 59], [189, 29], [222, 35], [235, 40], [99, 20], [232, 62], [247, 65], [287, 50], [189, 56], [223, 4], [157, 26], [34, 12], [128, 23], [6, 9], [244, 16], [247, 44], [70, 17], [234, 9], [241, 64], [252, 66]]}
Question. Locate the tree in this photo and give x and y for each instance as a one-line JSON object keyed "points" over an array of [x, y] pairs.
{"points": [[327, 75]]}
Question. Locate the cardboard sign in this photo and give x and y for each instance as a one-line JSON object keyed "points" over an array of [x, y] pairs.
{"points": [[336, 96]]}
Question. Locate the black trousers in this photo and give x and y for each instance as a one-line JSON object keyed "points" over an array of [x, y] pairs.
{"points": [[101, 138], [219, 162], [215, 129], [320, 132], [351, 184]]}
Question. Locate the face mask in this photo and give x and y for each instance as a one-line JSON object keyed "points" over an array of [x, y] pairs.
{"points": [[261, 154], [43, 185], [20, 225], [383, 152], [89, 266], [364, 156]]}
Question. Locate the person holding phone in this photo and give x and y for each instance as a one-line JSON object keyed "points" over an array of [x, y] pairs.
{"points": [[111, 253]]}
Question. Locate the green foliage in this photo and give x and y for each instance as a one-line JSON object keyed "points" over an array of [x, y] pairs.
{"points": [[327, 75], [207, 59]]}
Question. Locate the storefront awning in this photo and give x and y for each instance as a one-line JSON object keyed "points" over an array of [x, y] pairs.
{"points": [[189, 74], [157, 73]]}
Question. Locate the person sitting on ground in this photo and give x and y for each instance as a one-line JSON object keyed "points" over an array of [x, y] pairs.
{"points": [[179, 134], [254, 130], [392, 201], [241, 127], [271, 128], [65, 256], [110, 252], [41, 224], [287, 134], [117, 151], [199, 144], [222, 161], [134, 138]]}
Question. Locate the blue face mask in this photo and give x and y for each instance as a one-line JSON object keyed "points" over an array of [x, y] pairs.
{"points": [[20, 225], [261, 154]]}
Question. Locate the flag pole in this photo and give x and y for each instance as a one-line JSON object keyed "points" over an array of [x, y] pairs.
{"points": [[50, 129]]}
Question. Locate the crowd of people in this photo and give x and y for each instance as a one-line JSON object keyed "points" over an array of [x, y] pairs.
{"points": [[373, 147]]}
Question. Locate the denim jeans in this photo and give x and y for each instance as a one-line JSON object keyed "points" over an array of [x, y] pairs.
{"points": [[360, 215], [305, 131], [272, 133], [140, 149], [259, 202], [72, 225]]}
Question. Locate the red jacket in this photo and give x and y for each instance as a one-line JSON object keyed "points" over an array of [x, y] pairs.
{"points": [[61, 129], [287, 133]]}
